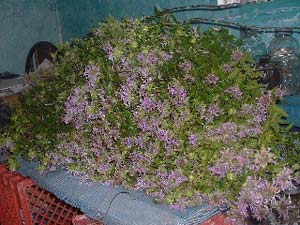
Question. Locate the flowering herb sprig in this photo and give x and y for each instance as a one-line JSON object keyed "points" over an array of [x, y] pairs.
{"points": [[154, 106]]}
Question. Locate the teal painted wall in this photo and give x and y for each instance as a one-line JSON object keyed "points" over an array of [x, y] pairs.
{"points": [[79, 16], [24, 22], [77, 22]]}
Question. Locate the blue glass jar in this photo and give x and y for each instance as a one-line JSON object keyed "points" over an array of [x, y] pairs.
{"points": [[253, 43], [284, 58]]}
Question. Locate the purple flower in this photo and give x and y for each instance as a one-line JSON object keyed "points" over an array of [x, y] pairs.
{"points": [[140, 162], [279, 93], [246, 110], [142, 58], [91, 73], [141, 184], [102, 168], [172, 91], [123, 67], [179, 93], [251, 195], [193, 139], [243, 208], [150, 58], [125, 95], [227, 68], [261, 112], [180, 119], [219, 169], [174, 142], [268, 191], [148, 104], [75, 108], [129, 142], [254, 130], [266, 99], [140, 142], [143, 71], [227, 132], [182, 94], [144, 125], [283, 206], [98, 32], [108, 49], [235, 217], [212, 79], [125, 91], [180, 205], [175, 178], [163, 135], [212, 112], [157, 195], [235, 92], [231, 162], [264, 157], [186, 66], [283, 179], [167, 56], [7, 147], [217, 199], [237, 55], [154, 57]]}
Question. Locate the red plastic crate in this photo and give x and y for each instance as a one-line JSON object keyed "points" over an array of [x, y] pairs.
{"points": [[22, 202], [10, 211], [84, 220], [216, 220], [42, 207]]}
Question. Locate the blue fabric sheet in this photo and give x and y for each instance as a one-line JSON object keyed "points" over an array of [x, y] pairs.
{"points": [[113, 205]]}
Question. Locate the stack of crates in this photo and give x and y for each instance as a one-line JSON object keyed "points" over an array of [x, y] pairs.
{"points": [[10, 211], [25, 203]]}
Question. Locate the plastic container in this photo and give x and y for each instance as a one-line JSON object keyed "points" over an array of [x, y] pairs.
{"points": [[253, 43], [284, 59]]}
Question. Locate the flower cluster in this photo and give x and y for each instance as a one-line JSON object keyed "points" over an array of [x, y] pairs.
{"points": [[233, 162], [153, 106], [260, 197], [212, 79]]}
